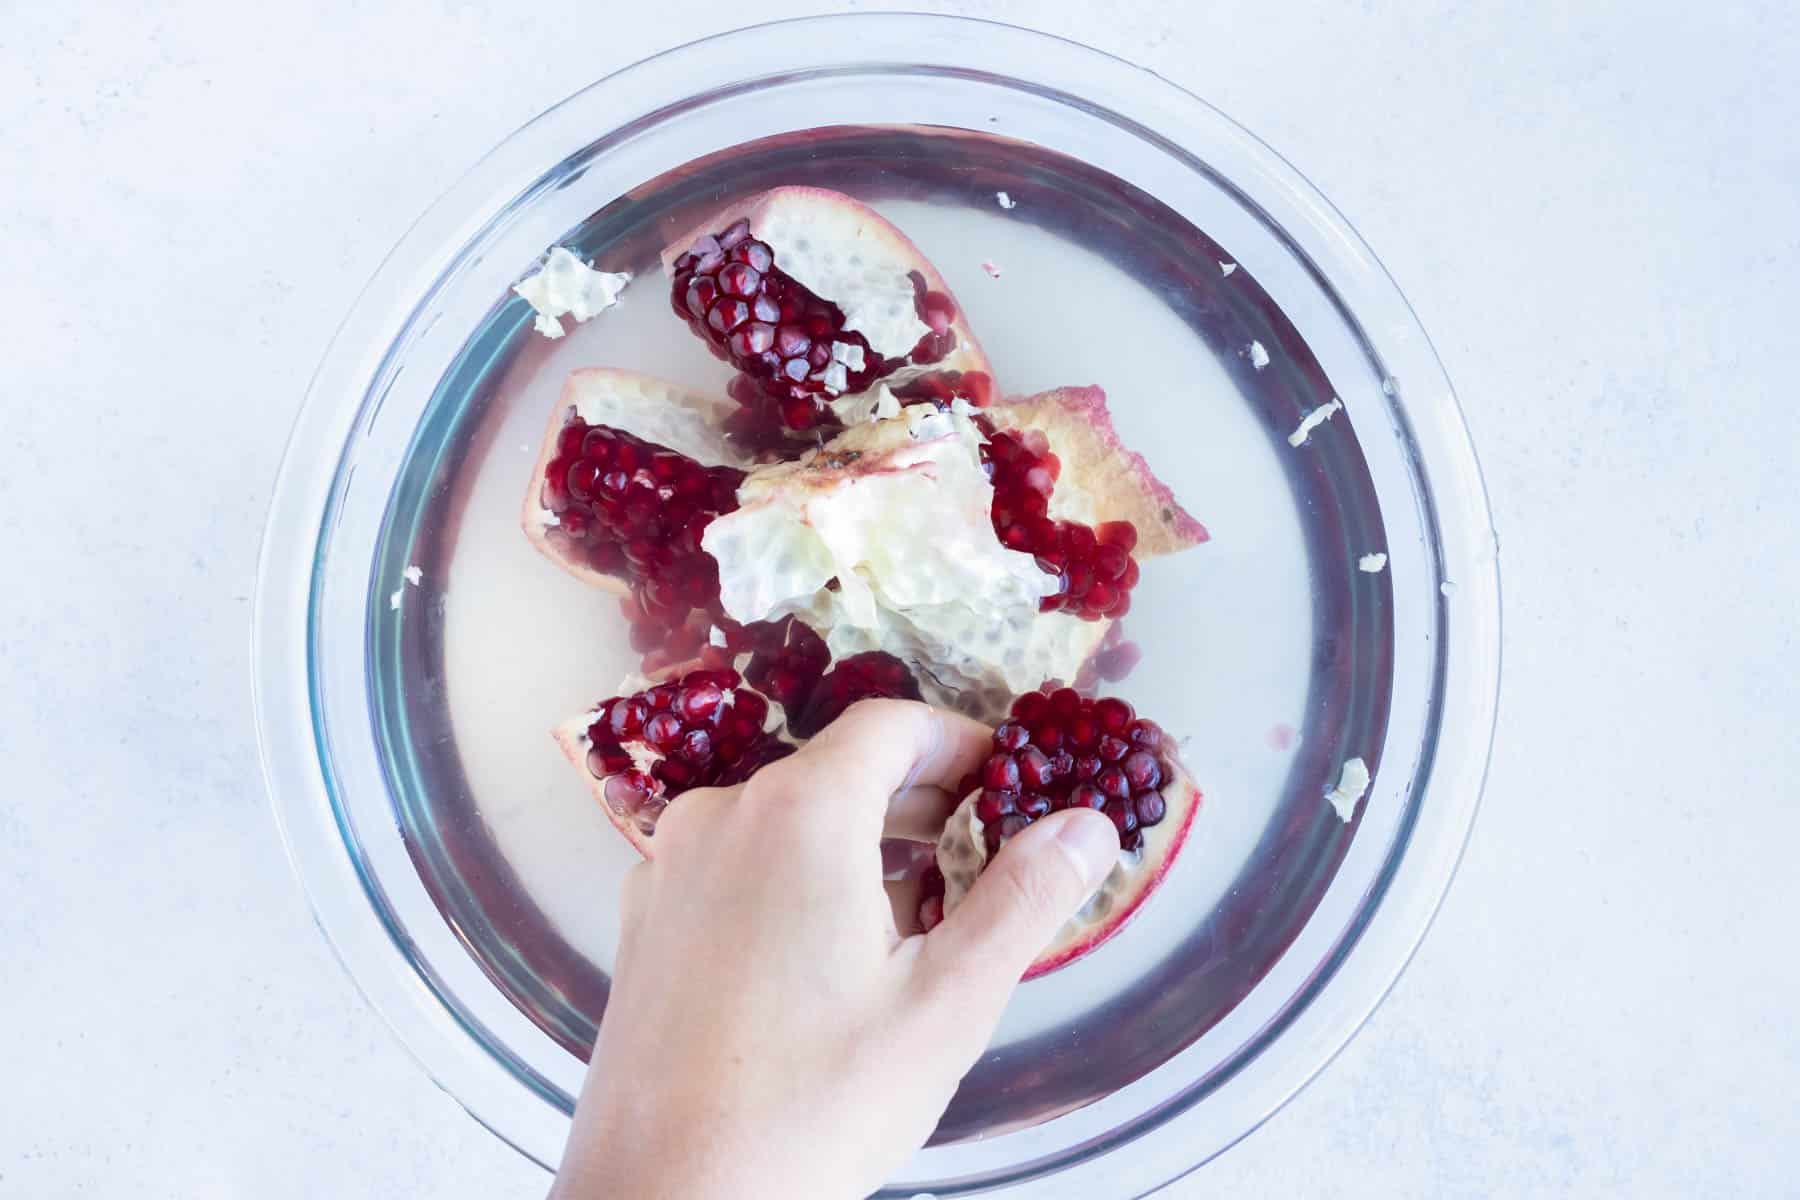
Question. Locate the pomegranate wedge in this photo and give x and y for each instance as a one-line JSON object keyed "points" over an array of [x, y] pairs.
{"points": [[626, 483], [642, 749], [1060, 750], [814, 296]]}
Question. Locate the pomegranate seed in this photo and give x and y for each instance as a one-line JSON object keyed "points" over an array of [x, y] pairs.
{"points": [[991, 805], [1084, 732], [1029, 706], [698, 701], [1086, 795], [1112, 749], [1034, 768], [1123, 817], [1011, 736], [1087, 768], [627, 791], [1113, 714], [1145, 736], [1112, 781], [1001, 772], [1140, 767], [663, 731], [1012, 825], [1122, 534], [1034, 804], [1150, 807], [625, 718]]}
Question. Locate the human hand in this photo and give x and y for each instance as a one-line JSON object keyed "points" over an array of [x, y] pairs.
{"points": [[770, 1032]]}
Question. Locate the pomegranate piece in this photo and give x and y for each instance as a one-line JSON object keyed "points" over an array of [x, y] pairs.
{"points": [[1057, 750], [626, 511], [641, 750], [812, 295], [866, 676], [1094, 564], [1095, 475]]}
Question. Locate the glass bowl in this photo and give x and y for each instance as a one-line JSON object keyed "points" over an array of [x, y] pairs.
{"points": [[1144, 242]]}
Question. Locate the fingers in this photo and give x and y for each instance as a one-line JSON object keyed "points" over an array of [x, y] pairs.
{"points": [[1031, 887], [878, 748], [918, 813]]}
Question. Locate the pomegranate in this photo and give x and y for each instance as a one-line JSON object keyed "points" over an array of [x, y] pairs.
{"points": [[1057, 750], [813, 296], [643, 749], [1068, 492], [626, 510]]}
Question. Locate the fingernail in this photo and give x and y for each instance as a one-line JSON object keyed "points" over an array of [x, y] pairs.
{"points": [[1092, 842]]}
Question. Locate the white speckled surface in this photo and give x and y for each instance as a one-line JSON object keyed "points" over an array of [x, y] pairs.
{"points": [[1594, 212]]}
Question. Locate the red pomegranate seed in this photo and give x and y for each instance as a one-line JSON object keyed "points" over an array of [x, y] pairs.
{"points": [[1144, 735], [1086, 795], [1034, 768], [1150, 807], [1124, 818], [991, 805], [1001, 772], [1142, 769], [1113, 715]]}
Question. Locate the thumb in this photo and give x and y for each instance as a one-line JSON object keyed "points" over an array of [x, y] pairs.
{"points": [[1034, 884]]}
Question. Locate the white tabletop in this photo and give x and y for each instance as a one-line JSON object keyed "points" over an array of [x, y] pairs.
{"points": [[1595, 216]]}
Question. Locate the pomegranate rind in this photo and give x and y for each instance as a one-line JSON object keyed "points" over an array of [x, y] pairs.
{"points": [[781, 215], [1074, 940], [1113, 477], [645, 407], [1118, 900]]}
